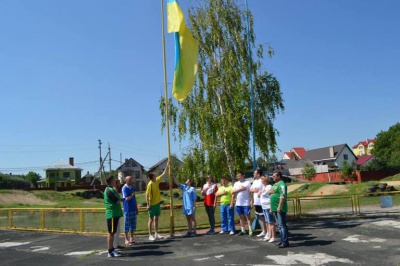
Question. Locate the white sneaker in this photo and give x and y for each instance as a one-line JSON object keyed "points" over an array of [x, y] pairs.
{"points": [[261, 234], [221, 232], [159, 236], [232, 233], [151, 238], [114, 253], [266, 238], [272, 240]]}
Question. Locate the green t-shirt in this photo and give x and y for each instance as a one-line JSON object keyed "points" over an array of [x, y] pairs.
{"points": [[280, 192], [226, 199], [113, 209]]}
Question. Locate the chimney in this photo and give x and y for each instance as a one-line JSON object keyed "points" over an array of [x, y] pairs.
{"points": [[71, 161], [331, 154]]}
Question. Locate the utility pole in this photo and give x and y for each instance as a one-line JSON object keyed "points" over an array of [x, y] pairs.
{"points": [[109, 158], [101, 162]]}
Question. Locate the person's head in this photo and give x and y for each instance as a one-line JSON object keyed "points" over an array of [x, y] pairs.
{"points": [[277, 176], [224, 181], [257, 173], [189, 182], [240, 176], [128, 180], [110, 180], [265, 180], [151, 176], [209, 179]]}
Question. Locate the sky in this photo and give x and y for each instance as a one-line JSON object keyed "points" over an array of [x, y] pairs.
{"points": [[76, 71]]}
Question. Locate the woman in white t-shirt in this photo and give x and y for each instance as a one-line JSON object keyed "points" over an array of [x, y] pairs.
{"points": [[266, 206]]}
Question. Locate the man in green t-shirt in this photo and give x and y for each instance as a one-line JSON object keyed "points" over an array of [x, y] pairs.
{"points": [[112, 202], [226, 207], [278, 197]]}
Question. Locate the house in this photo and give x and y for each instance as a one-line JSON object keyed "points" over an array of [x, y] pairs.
{"points": [[62, 174], [132, 168], [295, 153], [332, 156], [362, 160], [364, 147], [87, 180], [159, 167]]}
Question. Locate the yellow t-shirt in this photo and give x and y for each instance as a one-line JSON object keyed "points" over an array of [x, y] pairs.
{"points": [[153, 191]]}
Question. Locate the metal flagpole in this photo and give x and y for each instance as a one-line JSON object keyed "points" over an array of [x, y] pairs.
{"points": [[171, 203], [251, 86]]}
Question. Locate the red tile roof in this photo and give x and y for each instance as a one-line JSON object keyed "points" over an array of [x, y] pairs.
{"points": [[364, 143], [363, 159], [300, 151]]}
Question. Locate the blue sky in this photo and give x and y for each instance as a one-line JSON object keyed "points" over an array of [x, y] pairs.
{"points": [[73, 72]]}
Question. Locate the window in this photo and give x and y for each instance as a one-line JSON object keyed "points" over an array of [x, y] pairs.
{"points": [[88, 179], [370, 146], [345, 157], [65, 174]]}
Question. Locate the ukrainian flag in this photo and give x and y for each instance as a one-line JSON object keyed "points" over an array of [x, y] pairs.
{"points": [[186, 50]]}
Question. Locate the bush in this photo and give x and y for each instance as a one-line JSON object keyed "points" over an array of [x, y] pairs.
{"points": [[13, 183]]}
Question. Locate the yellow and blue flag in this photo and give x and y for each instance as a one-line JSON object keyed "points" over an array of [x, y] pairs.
{"points": [[186, 50]]}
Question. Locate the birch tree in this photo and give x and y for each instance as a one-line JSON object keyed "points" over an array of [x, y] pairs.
{"points": [[216, 116]]}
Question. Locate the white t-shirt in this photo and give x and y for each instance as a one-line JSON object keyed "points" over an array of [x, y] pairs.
{"points": [[259, 186], [264, 198], [242, 197]]}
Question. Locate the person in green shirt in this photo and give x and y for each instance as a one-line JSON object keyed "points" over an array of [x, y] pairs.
{"points": [[226, 207], [278, 197], [112, 202]]}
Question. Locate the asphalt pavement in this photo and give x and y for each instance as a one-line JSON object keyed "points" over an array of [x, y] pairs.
{"points": [[318, 241]]}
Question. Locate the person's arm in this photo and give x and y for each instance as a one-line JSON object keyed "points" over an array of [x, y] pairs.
{"points": [[125, 194], [111, 195], [148, 200], [282, 197], [232, 201]]}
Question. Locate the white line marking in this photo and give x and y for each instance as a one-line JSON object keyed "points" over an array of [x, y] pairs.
{"points": [[39, 248], [80, 253], [357, 239], [316, 259], [12, 244]]}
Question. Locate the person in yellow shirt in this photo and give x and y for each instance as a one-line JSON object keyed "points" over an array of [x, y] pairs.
{"points": [[153, 200]]}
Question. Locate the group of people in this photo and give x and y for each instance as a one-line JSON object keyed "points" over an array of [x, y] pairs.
{"points": [[268, 196]]}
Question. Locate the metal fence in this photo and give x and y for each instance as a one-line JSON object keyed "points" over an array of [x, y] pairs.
{"points": [[92, 220]]}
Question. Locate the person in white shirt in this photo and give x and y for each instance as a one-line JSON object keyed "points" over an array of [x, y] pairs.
{"points": [[256, 187], [263, 195], [241, 193]]}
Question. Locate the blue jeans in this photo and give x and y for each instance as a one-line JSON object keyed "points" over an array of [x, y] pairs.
{"points": [[227, 218], [283, 230]]}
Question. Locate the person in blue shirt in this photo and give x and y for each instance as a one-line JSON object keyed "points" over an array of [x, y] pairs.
{"points": [[189, 197], [130, 210]]}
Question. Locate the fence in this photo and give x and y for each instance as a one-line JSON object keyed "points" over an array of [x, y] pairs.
{"points": [[92, 220]]}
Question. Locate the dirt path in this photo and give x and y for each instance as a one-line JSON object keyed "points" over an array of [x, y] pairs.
{"points": [[23, 197]]}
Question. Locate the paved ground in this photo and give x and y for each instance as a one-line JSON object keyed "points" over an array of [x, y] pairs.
{"points": [[329, 241]]}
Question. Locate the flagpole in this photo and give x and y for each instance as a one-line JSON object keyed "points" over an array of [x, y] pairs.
{"points": [[251, 86], [171, 202]]}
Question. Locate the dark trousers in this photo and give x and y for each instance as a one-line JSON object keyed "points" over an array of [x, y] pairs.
{"points": [[210, 210]]}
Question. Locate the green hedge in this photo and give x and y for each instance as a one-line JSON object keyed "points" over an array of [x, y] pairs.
{"points": [[13, 183]]}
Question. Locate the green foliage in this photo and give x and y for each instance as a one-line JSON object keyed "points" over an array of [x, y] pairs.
{"points": [[216, 115], [387, 147], [8, 182], [375, 164], [309, 171], [32, 177], [348, 170]]}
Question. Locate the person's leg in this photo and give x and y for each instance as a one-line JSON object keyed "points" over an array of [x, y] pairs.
{"points": [[189, 223], [194, 223], [116, 235], [261, 218], [283, 228], [208, 211], [224, 217], [110, 241], [231, 219], [156, 225], [150, 225], [212, 217]]}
